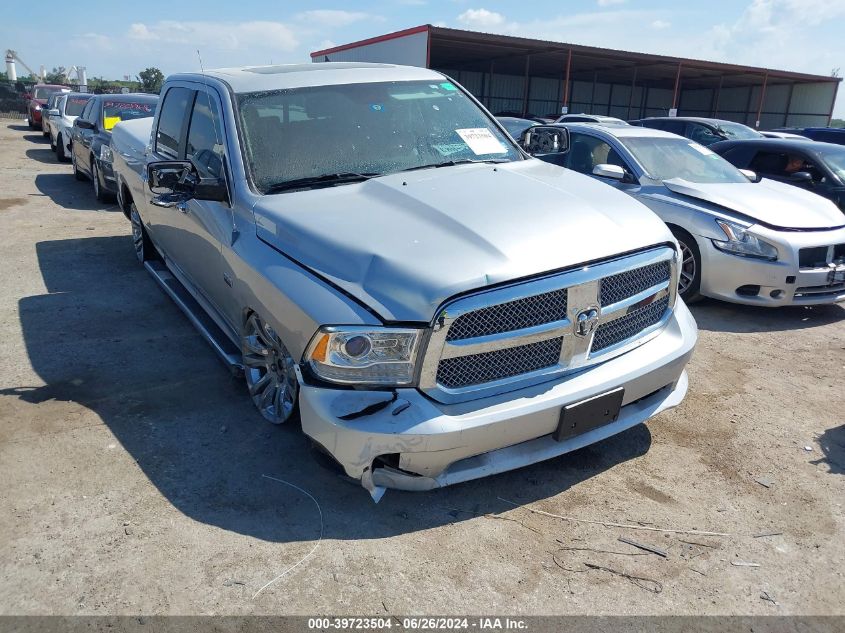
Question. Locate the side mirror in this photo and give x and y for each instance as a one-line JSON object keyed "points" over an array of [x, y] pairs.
{"points": [[751, 175], [802, 177], [53, 112], [84, 124], [615, 172], [174, 182], [545, 139]]}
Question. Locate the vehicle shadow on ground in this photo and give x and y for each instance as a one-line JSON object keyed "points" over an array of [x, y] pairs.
{"points": [[832, 443], [36, 137], [70, 194], [20, 128], [718, 316], [45, 155], [106, 337]]}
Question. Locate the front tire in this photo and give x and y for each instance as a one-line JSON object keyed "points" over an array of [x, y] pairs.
{"points": [[76, 173], [689, 279], [99, 190], [269, 370]]}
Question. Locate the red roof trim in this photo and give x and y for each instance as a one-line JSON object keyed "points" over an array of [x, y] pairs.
{"points": [[373, 40]]}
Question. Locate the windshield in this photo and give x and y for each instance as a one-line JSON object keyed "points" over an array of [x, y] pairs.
{"points": [[667, 158], [835, 160], [74, 105], [370, 128], [738, 130], [116, 111], [43, 92]]}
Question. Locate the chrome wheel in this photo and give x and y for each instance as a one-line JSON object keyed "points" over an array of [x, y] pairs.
{"points": [[688, 268], [137, 234], [269, 371]]}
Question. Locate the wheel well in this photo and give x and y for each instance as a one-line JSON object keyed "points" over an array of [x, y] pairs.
{"points": [[125, 198]]}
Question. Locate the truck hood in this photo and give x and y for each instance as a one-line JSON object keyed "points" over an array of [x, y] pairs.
{"points": [[402, 244], [768, 202]]}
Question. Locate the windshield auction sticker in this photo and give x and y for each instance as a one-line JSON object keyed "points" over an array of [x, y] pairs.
{"points": [[481, 141]]}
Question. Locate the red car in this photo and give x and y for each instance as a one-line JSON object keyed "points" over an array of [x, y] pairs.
{"points": [[38, 99]]}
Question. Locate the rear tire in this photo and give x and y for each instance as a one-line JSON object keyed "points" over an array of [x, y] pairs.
{"points": [[53, 146], [76, 173], [144, 249], [60, 149], [689, 281]]}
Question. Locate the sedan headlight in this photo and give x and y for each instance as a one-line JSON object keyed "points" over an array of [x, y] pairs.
{"points": [[364, 355], [37, 108], [741, 242], [105, 153]]}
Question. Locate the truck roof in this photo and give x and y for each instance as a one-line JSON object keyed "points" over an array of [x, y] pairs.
{"points": [[280, 77]]}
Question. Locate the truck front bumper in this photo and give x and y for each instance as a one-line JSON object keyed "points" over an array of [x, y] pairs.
{"points": [[425, 444]]}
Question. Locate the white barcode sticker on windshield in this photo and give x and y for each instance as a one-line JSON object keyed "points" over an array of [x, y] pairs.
{"points": [[701, 149], [481, 141]]}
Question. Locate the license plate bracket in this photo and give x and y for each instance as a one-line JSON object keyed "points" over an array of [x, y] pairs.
{"points": [[589, 414]]}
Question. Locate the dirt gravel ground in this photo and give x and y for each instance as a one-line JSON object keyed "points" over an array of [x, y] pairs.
{"points": [[133, 466]]}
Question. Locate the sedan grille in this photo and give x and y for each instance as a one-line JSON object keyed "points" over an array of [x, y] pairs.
{"points": [[625, 327], [513, 315], [618, 287], [502, 363], [820, 256]]}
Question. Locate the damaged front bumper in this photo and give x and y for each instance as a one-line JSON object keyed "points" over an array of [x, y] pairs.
{"points": [[423, 444]]}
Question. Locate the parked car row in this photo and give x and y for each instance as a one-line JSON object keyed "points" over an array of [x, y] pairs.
{"points": [[439, 296]]}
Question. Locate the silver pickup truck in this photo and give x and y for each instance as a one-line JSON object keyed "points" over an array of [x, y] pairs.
{"points": [[371, 248]]}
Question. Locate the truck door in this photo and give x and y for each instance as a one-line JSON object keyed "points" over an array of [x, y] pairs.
{"points": [[189, 235]]}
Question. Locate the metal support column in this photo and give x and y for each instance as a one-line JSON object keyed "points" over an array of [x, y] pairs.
{"points": [[633, 87], [527, 85], [565, 103], [677, 85], [714, 104], [762, 98]]}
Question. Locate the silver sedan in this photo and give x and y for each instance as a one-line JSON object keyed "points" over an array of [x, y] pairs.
{"points": [[745, 240]]}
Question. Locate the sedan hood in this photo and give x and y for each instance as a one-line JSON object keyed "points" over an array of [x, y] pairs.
{"points": [[768, 202], [402, 244]]}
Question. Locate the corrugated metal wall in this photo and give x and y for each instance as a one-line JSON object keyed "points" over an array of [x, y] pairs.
{"points": [[784, 105]]}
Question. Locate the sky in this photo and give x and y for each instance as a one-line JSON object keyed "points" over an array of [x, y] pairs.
{"points": [[113, 39]]}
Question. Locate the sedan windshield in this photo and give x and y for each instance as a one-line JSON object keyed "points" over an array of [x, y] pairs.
{"points": [[116, 111], [834, 158], [667, 158], [303, 134], [74, 105], [738, 130], [43, 92]]}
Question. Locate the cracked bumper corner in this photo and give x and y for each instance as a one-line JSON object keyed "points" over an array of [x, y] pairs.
{"points": [[439, 445]]}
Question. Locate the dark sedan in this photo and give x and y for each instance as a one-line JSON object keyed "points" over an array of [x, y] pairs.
{"points": [[817, 167], [700, 129], [90, 140]]}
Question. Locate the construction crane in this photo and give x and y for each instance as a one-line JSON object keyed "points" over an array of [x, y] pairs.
{"points": [[81, 77], [11, 72]]}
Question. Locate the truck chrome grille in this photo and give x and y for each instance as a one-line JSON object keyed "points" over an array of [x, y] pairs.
{"points": [[513, 315], [510, 337], [463, 371], [613, 332], [623, 285]]}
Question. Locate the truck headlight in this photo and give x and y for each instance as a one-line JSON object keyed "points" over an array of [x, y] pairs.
{"points": [[37, 108], [741, 242], [364, 355], [105, 154]]}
